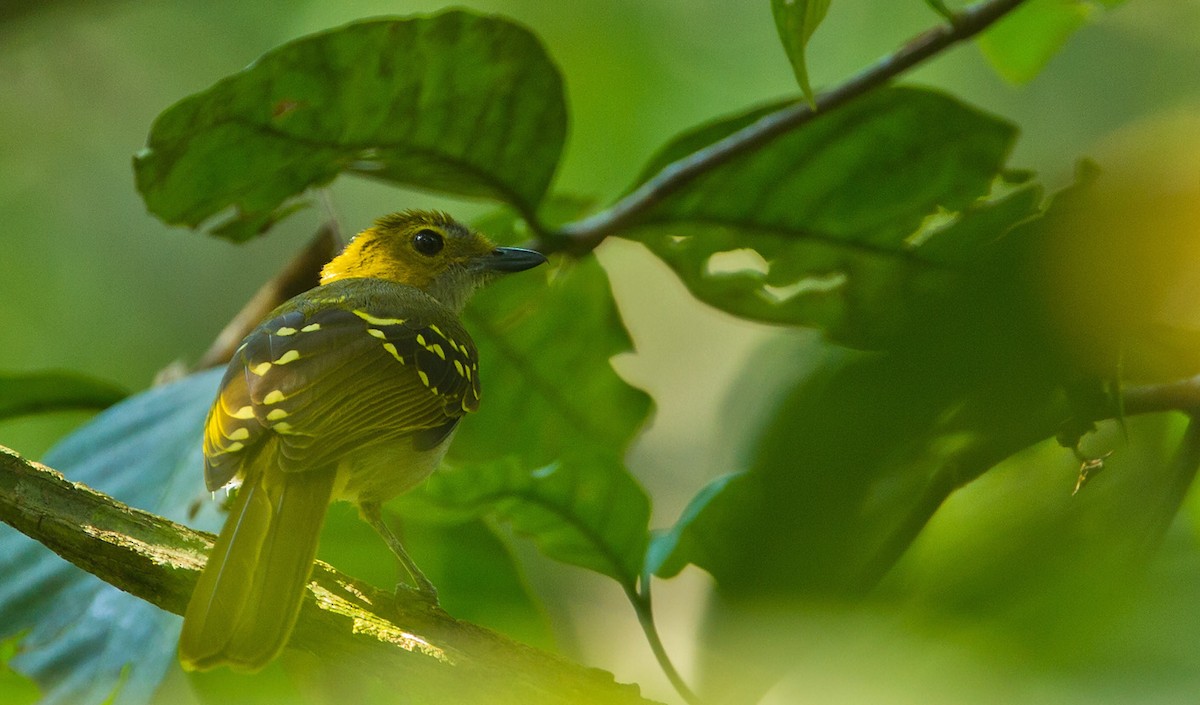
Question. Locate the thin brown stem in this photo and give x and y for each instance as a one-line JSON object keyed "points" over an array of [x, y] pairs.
{"points": [[583, 236]]}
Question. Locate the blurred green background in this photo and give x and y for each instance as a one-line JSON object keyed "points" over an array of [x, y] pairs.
{"points": [[90, 282]]}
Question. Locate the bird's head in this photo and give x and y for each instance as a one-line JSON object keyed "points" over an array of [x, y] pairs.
{"points": [[430, 251]]}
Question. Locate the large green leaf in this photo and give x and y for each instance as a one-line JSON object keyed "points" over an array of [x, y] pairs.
{"points": [[38, 392], [86, 638], [861, 451], [546, 449], [824, 225], [457, 102], [796, 20]]}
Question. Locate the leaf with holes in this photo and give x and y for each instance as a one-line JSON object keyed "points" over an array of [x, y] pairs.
{"points": [[458, 102], [828, 225], [546, 449], [857, 449]]}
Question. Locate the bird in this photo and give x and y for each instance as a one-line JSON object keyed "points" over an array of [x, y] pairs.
{"points": [[350, 391]]}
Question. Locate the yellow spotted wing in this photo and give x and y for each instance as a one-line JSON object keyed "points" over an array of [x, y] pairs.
{"points": [[349, 364]]}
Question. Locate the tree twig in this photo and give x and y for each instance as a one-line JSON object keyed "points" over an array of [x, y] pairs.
{"points": [[583, 236], [360, 636]]}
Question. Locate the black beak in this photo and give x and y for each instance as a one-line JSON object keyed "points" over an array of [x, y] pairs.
{"points": [[511, 259]]}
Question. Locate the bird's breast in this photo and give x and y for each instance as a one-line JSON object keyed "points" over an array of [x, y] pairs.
{"points": [[378, 472]]}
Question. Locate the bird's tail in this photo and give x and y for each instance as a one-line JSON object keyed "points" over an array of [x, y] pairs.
{"points": [[248, 597]]}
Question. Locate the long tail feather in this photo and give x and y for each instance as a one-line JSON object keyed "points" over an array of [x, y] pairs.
{"points": [[248, 597]]}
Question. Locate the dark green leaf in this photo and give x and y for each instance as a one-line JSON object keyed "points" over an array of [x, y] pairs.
{"points": [[1073, 578], [546, 449], [457, 102], [86, 637], [39, 392], [796, 20], [1021, 44], [865, 447], [587, 512], [685, 542], [824, 225]]}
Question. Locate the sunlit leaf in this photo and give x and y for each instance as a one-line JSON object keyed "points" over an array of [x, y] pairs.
{"points": [[38, 392], [796, 20], [457, 102], [86, 637], [823, 226]]}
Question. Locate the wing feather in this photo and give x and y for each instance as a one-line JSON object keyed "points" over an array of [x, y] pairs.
{"points": [[340, 367]]}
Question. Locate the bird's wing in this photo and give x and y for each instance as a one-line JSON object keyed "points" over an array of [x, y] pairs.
{"points": [[324, 380]]}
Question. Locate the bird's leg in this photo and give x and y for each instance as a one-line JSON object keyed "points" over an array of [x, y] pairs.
{"points": [[371, 512]]}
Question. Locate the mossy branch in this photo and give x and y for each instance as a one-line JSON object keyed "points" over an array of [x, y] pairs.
{"points": [[365, 637]]}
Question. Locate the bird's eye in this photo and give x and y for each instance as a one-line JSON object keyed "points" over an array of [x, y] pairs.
{"points": [[428, 242]]}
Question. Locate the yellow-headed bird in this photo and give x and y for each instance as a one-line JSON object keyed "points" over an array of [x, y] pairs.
{"points": [[349, 391]]}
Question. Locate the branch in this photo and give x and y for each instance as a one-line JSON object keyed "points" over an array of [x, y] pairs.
{"points": [[364, 637], [583, 236]]}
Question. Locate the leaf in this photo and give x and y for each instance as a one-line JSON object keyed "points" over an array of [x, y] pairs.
{"points": [[1073, 579], [83, 633], [588, 514], [1021, 44], [685, 542], [864, 447], [40, 392], [796, 20], [462, 103], [546, 449], [821, 226]]}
